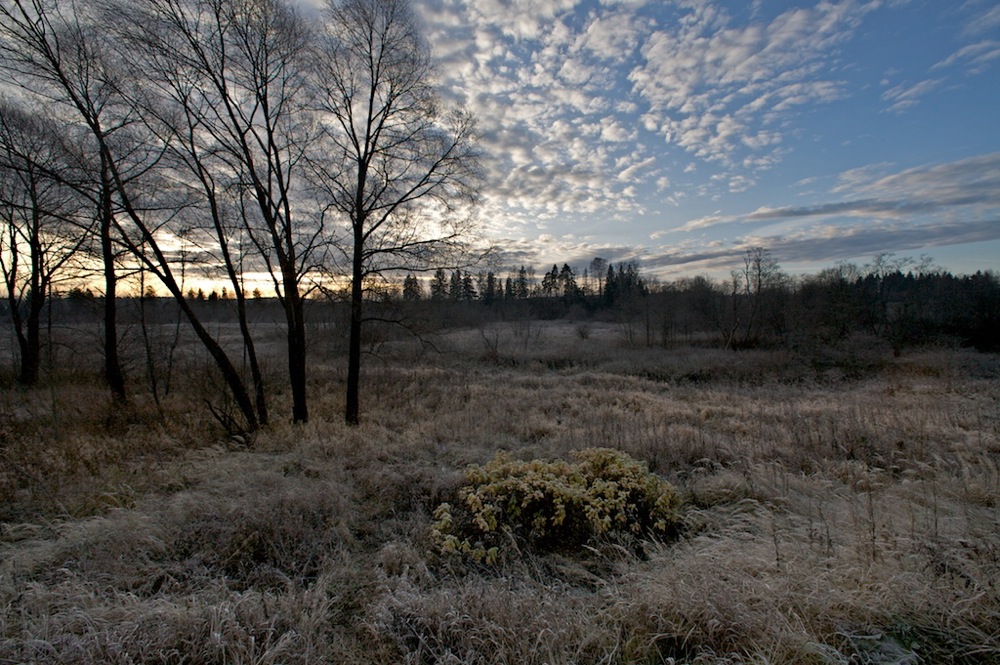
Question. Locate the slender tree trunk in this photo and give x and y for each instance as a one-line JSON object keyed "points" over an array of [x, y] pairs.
{"points": [[229, 373], [113, 374], [351, 413], [31, 350], [147, 341], [28, 375], [297, 357], [260, 396], [30, 340], [31, 347]]}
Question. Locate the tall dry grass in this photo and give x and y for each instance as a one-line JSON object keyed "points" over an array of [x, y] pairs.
{"points": [[842, 507]]}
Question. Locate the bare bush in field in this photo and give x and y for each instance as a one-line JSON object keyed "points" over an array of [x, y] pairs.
{"points": [[839, 507]]}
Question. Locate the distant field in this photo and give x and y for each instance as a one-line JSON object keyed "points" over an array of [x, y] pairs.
{"points": [[842, 505]]}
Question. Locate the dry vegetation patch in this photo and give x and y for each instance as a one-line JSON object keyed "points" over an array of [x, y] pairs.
{"points": [[602, 496], [829, 517]]}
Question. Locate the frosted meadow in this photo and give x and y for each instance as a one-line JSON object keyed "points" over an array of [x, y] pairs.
{"points": [[828, 516]]}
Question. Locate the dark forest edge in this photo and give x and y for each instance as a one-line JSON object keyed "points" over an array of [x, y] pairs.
{"points": [[758, 307]]}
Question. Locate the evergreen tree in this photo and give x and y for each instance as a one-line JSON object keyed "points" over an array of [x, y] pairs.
{"points": [[521, 285], [455, 286], [468, 288], [492, 292], [567, 282], [610, 285], [550, 282], [411, 289], [439, 285]]}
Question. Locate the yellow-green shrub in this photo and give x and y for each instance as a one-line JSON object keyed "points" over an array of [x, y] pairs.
{"points": [[603, 494]]}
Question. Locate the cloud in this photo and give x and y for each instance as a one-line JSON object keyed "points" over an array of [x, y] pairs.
{"points": [[716, 89], [974, 58], [611, 37], [565, 90], [600, 113], [983, 22], [629, 173], [547, 250], [827, 244], [901, 97], [708, 221], [968, 183], [974, 180], [928, 206]]}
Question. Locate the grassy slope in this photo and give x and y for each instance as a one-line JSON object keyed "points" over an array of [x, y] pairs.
{"points": [[839, 507]]}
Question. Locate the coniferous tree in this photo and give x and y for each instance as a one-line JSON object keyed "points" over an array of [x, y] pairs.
{"points": [[610, 285], [468, 291], [567, 282], [492, 292], [521, 285], [550, 282], [439, 285], [411, 289]]}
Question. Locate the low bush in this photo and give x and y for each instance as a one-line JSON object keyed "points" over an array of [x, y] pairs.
{"points": [[554, 505]]}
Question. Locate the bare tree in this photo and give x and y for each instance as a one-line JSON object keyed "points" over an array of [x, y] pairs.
{"points": [[759, 277], [395, 166], [54, 53], [43, 55], [39, 235], [225, 82]]}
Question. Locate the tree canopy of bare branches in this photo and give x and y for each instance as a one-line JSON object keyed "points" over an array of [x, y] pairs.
{"points": [[400, 170], [260, 142]]}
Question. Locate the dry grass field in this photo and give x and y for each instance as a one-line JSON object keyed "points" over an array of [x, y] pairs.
{"points": [[841, 506]]}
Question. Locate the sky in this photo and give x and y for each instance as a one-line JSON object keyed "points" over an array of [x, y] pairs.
{"points": [[680, 133]]}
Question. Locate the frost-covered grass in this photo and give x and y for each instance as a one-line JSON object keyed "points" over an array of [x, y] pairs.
{"points": [[841, 506]]}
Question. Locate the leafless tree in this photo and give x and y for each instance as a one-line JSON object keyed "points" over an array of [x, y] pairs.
{"points": [[43, 53], [56, 55], [751, 285], [397, 167], [40, 233], [225, 83]]}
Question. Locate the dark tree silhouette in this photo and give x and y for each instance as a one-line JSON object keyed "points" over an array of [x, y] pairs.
{"points": [[401, 166], [40, 229]]}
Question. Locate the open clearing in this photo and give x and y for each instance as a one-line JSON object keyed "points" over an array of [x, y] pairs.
{"points": [[841, 507]]}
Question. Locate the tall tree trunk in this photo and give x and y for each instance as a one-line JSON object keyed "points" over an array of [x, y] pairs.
{"points": [[296, 352], [113, 374], [25, 376], [351, 413], [225, 365], [229, 373], [31, 348], [260, 395], [30, 340], [249, 348], [295, 316]]}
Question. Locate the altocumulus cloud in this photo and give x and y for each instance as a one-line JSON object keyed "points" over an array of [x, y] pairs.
{"points": [[679, 132]]}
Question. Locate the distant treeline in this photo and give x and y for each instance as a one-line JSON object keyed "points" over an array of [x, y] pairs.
{"points": [[759, 306]]}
